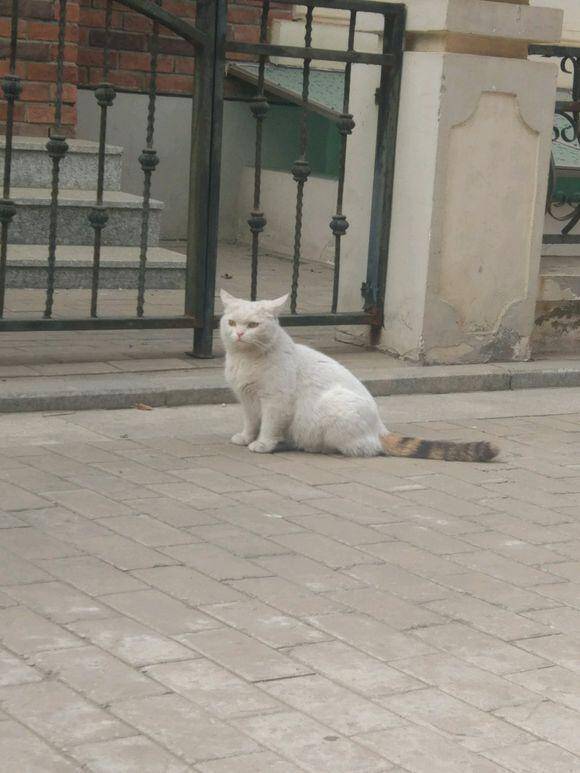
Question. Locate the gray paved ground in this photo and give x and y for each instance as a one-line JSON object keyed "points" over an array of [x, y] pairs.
{"points": [[169, 602]]}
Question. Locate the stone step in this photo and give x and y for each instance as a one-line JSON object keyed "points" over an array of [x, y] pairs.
{"points": [[32, 166], [560, 278], [119, 267], [31, 222]]}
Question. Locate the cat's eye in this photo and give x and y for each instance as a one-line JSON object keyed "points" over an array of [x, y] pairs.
{"points": [[232, 322], [253, 324]]}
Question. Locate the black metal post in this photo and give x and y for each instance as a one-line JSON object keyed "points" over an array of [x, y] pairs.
{"points": [[98, 216], [11, 90], [259, 108], [57, 148], [380, 225], [301, 168], [148, 160], [206, 144]]}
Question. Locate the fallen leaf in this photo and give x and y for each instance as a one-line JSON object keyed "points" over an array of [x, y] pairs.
{"points": [[143, 407]]}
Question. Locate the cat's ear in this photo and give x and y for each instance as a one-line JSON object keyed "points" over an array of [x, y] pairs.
{"points": [[227, 299], [275, 306]]}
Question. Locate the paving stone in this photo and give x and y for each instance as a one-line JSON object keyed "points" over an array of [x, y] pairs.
{"points": [[215, 689], [551, 722], [92, 575], [236, 540], [498, 592], [96, 674], [503, 568], [187, 585], [34, 480], [324, 549], [304, 571], [422, 750], [147, 530], [287, 596], [136, 754], [22, 750], [243, 654], [371, 636], [464, 681], [215, 561], [161, 612], [25, 632], [171, 512], [354, 669], [558, 684], [400, 582], [340, 529], [387, 608], [312, 746], [562, 648], [465, 725], [58, 601], [134, 472], [14, 498], [17, 570], [130, 641], [190, 494], [89, 503], [357, 512], [218, 482], [59, 715], [331, 704], [488, 618], [535, 757], [32, 543], [560, 619], [265, 623], [260, 762], [8, 521], [13, 670], [479, 648], [271, 507], [409, 557], [186, 729], [563, 592], [423, 537], [126, 554]]}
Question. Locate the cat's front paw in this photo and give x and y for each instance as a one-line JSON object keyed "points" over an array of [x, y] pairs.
{"points": [[260, 447], [240, 439]]}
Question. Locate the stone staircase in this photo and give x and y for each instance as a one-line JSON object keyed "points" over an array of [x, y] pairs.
{"points": [[28, 235], [558, 305]]}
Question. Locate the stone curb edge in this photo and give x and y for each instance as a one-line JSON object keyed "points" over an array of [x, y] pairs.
{"points": [[80, 393]]}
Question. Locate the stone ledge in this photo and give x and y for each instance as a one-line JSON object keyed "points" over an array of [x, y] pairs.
{"points": [[190, 387]]}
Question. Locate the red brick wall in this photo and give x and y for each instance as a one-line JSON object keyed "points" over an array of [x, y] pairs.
{"points": [[128, 53], [129, 44], [37, 47]]}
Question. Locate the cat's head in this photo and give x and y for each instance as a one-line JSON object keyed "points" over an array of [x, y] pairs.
{"points": [[246, 324]]}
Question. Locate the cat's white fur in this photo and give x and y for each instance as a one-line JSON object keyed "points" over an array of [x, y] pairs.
{"points": [[291, 394]]}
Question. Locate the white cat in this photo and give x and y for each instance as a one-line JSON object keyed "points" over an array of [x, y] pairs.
{"points": [[293, 396]]}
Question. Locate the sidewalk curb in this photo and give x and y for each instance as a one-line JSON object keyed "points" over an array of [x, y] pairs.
{"points": [[157, 389]]}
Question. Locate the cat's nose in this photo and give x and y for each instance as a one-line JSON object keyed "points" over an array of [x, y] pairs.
{"points": [[239, 334]]}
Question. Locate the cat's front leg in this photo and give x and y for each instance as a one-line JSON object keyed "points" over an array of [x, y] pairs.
{"points": [[273, 428], [251, 428]]}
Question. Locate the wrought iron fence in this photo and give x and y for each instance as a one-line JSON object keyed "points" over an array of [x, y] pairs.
{"points": [[563, 201], [211, 46]]}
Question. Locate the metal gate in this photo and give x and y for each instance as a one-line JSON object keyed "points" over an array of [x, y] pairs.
{"points": [[212, 47]]}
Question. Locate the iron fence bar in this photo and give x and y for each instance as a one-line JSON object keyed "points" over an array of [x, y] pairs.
{"points": [[57, 148], [180, 322], [205, 174], [168, 20], [11, 90], [295, 52], [382, 196], [148, 160], [301, 169], [259, 108], [339, 224], [371, 6], [98, 216]]}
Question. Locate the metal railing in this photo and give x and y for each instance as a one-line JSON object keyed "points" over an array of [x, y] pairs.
{"points": [[562, 207], [211, 47]]}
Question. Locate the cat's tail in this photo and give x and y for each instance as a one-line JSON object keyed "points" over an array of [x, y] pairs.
{"points": [[444, 450]]}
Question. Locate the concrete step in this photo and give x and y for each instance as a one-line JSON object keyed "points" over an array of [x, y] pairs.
{"points": [[119, 267], [560, 278], [32, 166], [31, 222], [558, 307]]}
